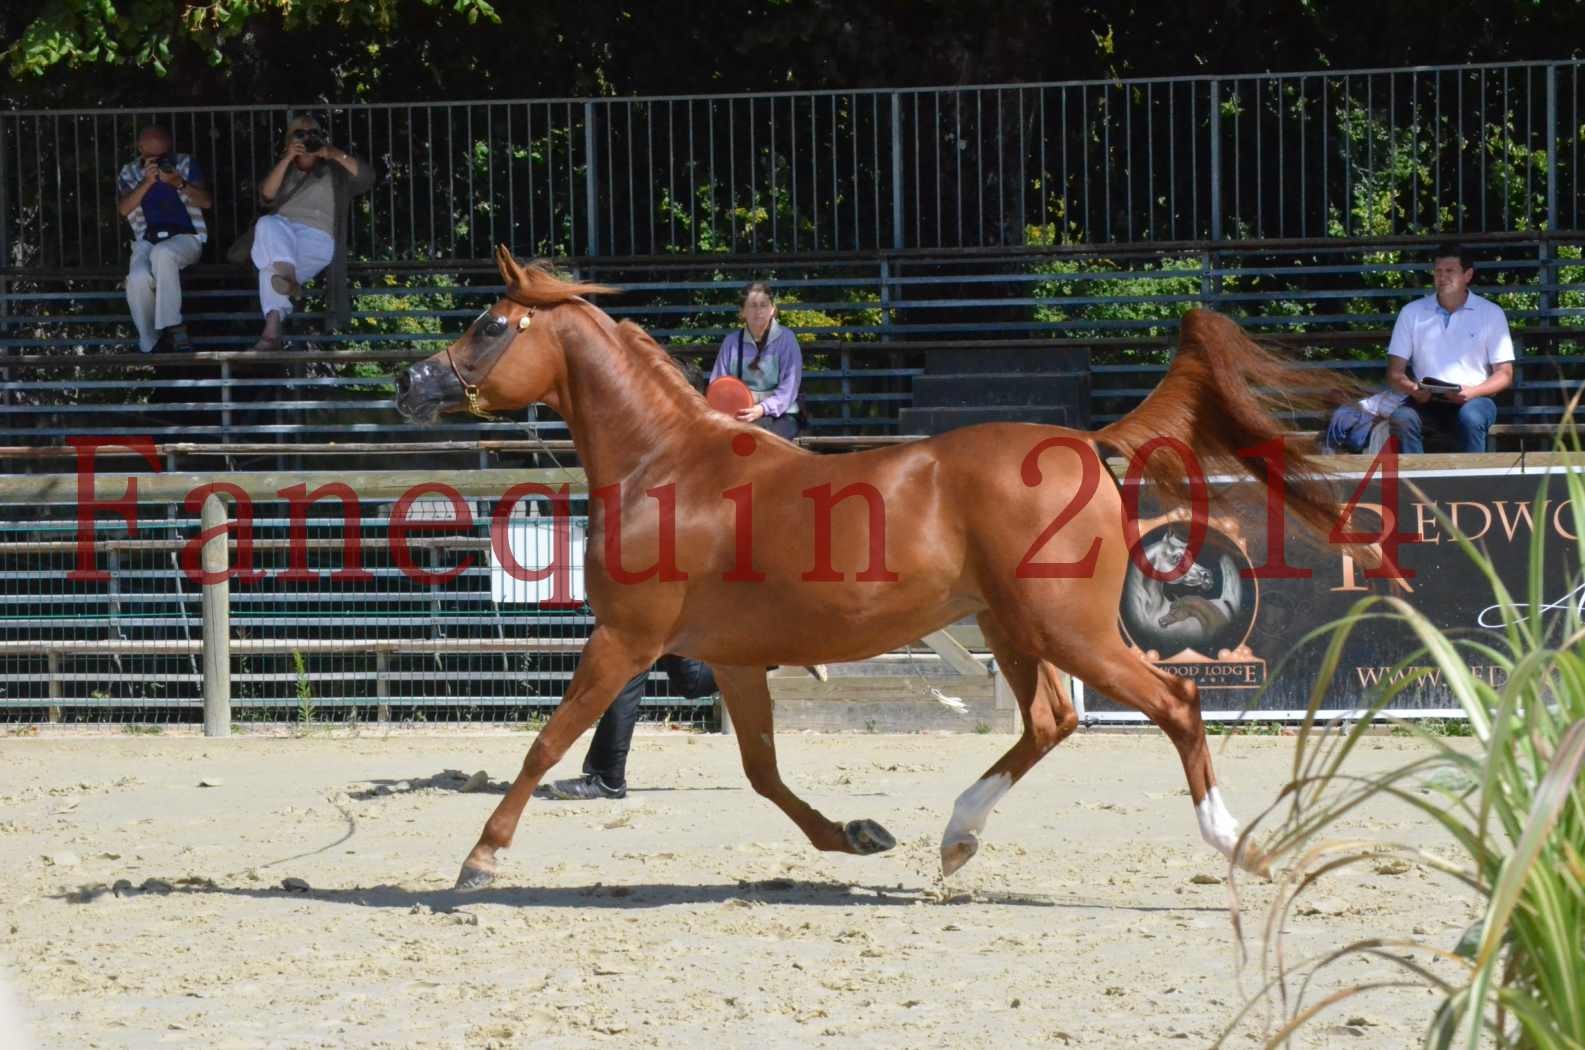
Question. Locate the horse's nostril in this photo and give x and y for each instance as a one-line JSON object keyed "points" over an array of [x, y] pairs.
{"points": [[403, 379]]}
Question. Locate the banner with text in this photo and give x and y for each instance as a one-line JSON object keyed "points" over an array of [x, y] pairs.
{"points": [[1235, 630]]}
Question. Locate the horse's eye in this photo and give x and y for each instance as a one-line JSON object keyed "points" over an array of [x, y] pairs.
{"points": [[494, 327]]}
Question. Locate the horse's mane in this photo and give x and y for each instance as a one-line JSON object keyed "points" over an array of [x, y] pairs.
{"points": [[673, 373], [536, 284]]}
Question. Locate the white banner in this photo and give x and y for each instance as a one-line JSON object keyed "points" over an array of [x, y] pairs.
{"points": [[532, 542]]}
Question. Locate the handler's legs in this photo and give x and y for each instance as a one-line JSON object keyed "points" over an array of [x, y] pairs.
{"points": [[613, 737], [689, 678], [605, 763]]}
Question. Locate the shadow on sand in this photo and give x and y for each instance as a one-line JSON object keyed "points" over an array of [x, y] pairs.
{"points": [[618, 897], [456, 781]]}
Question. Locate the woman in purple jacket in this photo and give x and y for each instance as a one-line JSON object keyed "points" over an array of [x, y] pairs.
{"points": [[765, 356]]}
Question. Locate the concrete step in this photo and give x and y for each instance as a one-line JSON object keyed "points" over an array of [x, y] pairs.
{"points": [[888, 704], [969, 635], [922, 664], [1026, 359]]}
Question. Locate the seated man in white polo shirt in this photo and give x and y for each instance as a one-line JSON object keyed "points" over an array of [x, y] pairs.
{"points": [[1459, 338], [1458, 347]]}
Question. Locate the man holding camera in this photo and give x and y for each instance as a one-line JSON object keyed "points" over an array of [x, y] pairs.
{"points": [[162, 195], [309, 195]]}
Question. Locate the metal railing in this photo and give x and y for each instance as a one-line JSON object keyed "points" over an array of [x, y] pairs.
{"points": [[331, 628], [309, 598], [1362, 153], [877, 323]]}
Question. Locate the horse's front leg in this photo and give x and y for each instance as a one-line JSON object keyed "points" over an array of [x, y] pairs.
{"points": [[1049, 719], [747, 698], [609, 661]]}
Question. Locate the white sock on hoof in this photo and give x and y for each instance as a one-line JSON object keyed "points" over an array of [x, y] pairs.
{"points": [[1217, 825], [973, 808]]}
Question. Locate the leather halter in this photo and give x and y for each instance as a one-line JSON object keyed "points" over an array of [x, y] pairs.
{"points": [[471, 390]]}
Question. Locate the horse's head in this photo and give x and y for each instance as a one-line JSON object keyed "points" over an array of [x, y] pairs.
{"points": [[1207, 614], [1198, 577], [509, 357]]}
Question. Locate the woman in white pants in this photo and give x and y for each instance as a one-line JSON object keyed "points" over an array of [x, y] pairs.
{"points": [[308, 192]]}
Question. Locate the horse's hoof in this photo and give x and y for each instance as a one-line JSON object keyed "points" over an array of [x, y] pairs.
{"points": [[1254, 860], [956, 854], [866, 836], [473, 878]]}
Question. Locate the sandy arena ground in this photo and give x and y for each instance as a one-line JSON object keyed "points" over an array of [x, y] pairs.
{"points": [[692, 914]]}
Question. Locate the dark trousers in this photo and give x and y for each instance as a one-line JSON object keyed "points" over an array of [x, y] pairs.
{"points": [[607, 757], [781, 426], [1465, 425]]}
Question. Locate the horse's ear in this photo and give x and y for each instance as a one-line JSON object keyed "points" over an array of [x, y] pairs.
{"points": [[511, 272]]}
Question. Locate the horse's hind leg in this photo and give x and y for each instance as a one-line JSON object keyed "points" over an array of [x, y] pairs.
{"points": [[1173, 703], [1048, 717], [747, 697], [608, 662]]}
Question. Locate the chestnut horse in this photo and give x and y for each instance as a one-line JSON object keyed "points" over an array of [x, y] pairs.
{"points": [[717, 540]]}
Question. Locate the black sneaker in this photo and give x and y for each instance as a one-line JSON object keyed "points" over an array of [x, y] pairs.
{"points": [[580, 789], [177, 334]]}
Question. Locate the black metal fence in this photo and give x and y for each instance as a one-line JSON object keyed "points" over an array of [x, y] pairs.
{"points": [[1360, 154]]}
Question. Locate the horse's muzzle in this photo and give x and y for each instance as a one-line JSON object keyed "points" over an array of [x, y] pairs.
{"points": [[426, 390]]}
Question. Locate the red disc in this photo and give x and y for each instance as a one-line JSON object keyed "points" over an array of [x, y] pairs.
{"points": [[728, 394]]}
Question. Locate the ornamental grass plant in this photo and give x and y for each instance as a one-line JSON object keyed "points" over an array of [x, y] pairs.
{"points": [[1509, 798]]}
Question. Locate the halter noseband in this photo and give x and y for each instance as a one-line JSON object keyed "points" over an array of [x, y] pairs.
{"points": [[471, 390]]}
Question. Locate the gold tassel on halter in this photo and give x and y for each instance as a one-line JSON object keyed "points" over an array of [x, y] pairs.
{"points": [[471, 392]]}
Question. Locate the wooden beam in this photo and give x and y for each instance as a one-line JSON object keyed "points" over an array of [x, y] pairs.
{"points": [[954, 654], [372, 484], [184, 646], [216, 642]]}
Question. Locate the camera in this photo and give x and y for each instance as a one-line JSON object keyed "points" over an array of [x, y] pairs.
{"points": [[167, 164], [313, 139]]}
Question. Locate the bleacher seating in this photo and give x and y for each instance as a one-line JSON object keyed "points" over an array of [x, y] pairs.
{"points": [[891, 354], [886, 354]]}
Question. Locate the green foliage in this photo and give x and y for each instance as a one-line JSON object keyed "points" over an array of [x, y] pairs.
{"points": [[1137, 298], [722, 302], [1511, 801], [96, 52], [758, 217], [1221, 728], [1389, 165], [406, 309], [1571, 270], [73, 33], [305, 693], [1392, 168]]}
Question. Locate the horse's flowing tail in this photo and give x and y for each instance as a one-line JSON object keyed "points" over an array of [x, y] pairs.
{"points": [[1222, 394]]}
